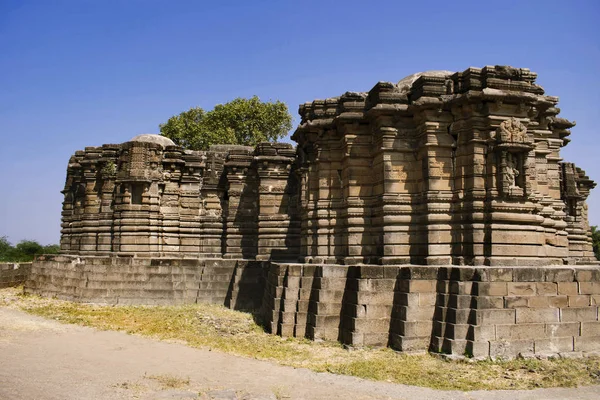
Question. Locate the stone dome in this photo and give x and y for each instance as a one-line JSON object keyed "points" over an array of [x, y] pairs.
{"points": [[405, 84], [153, 138]]}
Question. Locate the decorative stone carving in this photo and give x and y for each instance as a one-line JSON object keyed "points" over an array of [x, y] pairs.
{"points": [[512, 172], [378, 177], [512, 130]]}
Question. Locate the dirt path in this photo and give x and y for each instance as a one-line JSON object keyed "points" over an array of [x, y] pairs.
{"points": [[43, 359]]}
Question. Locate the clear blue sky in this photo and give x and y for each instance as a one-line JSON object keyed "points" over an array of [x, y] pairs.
{"points": [[82, 72]]}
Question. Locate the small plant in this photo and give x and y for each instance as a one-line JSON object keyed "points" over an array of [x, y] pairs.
{"points": [[109, 169]]}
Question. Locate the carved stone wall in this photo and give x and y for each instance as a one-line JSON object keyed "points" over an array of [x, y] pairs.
{"points": [[442, 168], [150, 198]]}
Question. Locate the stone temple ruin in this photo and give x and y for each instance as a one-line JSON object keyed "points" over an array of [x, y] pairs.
{"points": [[432, 214]]}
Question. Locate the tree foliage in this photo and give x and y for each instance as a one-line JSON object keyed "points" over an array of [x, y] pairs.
{"points": [[596, 241], [24, 251], [241, 121]]}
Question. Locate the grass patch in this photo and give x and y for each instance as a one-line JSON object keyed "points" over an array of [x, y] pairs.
{"points": [[168, 381], [218, 328]]}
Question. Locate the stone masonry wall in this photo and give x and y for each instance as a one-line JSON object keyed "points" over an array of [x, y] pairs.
{"points": [[497, 312], [14, 274], [125, 280], [478, 311]]}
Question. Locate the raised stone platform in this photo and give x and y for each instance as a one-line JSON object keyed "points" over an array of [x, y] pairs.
{"points": [[125, 280], [478, 311], [13, 274], [487, 311]]}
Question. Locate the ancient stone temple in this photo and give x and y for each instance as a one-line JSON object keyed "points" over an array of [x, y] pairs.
{"points": [[430, 214]]}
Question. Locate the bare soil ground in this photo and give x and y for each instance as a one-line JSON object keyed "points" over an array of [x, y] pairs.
{"points": [[46, 360]]}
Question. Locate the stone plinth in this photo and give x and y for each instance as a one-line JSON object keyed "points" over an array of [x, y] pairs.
{"points": [[14, 274], [497, 312]]}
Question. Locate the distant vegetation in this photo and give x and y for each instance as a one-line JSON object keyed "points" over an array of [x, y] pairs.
{"points": [[241, 121], [24, 251], [596, 241]]}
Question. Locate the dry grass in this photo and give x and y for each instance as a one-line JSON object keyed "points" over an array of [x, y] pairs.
{"points": [[168, 381], [215, 327]]}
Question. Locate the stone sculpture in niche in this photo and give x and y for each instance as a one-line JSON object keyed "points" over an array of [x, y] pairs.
{"points": [[512, 172]]}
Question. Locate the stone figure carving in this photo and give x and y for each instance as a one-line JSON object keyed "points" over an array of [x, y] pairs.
{"points": [[512, 171], [513, 130]]}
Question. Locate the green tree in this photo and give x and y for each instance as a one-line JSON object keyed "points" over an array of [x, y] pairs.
{"points": [[241, 121], [5, 248], [51, 249], [596, 241], [24, 251], [27, 249]]}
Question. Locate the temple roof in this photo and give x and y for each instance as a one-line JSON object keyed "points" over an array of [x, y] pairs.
{"points": [[405, 84], [153, 138]]}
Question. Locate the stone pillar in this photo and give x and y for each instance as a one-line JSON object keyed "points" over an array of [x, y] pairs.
{"points": [[437, 150], [108, 174], [91, 204], [470, 184], [169, 204], [274, 164], [190, 204], [211, 196], [357, 180], [241, 213]]}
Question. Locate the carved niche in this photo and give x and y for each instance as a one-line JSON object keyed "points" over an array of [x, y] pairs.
{"points": [[513, 145]]}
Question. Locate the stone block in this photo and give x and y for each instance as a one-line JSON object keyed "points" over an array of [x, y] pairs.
{"points": [[496, 274], [406, 299], [493, 317], [372, 271], [409, 344], [510, 348], [423, 273], [579, 301], [590, 328], [581, 314], [376, 311], [492, 288], [376, 285], [587, 343], [376, 339], [484, 302], [414, 313], [528, 275], [568, 288], [553, 345], [546, 288], [516, 301], [539, 301], [520, 331], [558, 301], [532, 315], [521, 288], [416, 328], [427, 299], [418, 286], [462, 287], [587, 274], [559, 275], [589, 288]]}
